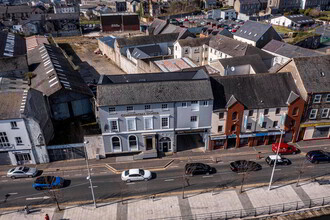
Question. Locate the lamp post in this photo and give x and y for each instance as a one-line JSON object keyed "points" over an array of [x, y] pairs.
{"points": [[277, 150], [89, 177]]}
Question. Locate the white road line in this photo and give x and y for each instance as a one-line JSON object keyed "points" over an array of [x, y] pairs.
{"points": [[37, 198], [93, 187], [16, 180], [208, 176], [168, 180], [104, 172], [130, 183], [78, 174], [12, 193], [3, 181], [278, 169]]}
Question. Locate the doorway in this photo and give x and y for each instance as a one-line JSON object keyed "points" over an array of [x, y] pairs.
{"points": [[23, 158], [165, 144], [149, 143]]}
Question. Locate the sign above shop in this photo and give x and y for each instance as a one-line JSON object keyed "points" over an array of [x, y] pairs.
{"points": [[315, 124]]}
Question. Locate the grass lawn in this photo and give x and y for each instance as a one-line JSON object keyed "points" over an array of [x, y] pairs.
{"points": [[282, 29], [90, 22]]}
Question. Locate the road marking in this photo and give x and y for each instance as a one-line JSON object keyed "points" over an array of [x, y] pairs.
{"points": [[208, 176], [78, 174], [278, 169], [3, 181], [104, 172], [130, 183], [92, 173], [3, 176], [12, 193], [168, 180], [93, 187], [37, 198]]}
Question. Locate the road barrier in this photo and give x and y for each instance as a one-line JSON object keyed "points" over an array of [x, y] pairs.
{"points": [[265, 210]]}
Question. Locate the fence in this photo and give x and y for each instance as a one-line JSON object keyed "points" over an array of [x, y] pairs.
{"points": [[265, 210]]}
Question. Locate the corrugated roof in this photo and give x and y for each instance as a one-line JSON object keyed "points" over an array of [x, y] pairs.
{"points": [[54, 72], [11, 45], [172, 65], [34, 41]]}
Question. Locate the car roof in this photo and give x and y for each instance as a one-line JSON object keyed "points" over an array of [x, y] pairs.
{"points": [[134, 171], [273, 157]]}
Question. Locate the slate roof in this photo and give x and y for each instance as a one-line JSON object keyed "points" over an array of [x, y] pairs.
{"points": [[254, 60], [249, 1], [54, 72], [300, 19], [194, 42], [11, 45], [11, 103], [153, 92], [254, 91], [108, 40], [252, 30], [314, 72], [236, 48], [157, 26], [146, 51], [154, 77], [146, 40], [288, 50]]}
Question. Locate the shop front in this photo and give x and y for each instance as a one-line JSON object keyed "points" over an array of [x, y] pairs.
{"points": [[256, 139], [315, 130]]}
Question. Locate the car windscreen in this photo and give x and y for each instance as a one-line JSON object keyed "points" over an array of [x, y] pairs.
{"points": [[141, 172], [126, 173], [11, 170], [25, 169]]}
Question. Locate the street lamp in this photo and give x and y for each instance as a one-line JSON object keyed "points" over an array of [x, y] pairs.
{"points": [[277, 150], [89, 177]]}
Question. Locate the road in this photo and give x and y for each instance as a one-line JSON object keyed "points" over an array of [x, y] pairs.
{"points": [[109, 186]]}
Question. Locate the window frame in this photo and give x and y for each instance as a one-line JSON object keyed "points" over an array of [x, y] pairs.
{"points": [[184, 105], [147, 107], [110, 120], [277, 111], [161, 122], [119, 141], [323, 110], [249, 126], [152, 122], [130, 106], [317, 100], [4, 141], [164, 106], [134, 123], [327, 98], [205, 103], [220, 130], [129, 142], [312, 112], [275, 124], [114, 109], [19, 141], [193, 117]]}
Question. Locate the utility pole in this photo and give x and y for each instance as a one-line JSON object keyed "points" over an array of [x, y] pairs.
{"points": [[89, 177], [278, 149]]}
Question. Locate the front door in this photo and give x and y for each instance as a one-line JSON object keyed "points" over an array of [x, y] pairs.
{"points": [[165, 147], [149, 143]]}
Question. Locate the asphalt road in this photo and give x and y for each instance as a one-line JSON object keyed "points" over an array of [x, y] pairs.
{"points": [[108, 185]]}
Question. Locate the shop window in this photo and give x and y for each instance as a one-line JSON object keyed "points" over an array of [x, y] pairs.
{"points": [[295, 111], [249, 126], [251, 112], [325, 113], [264, 124], [234, 116], [220, 128], [116, 145]]}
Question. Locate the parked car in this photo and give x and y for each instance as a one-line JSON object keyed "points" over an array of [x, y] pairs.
{"points": [[48, 182], [280, 160], [317, 156], [241, 166], [19, 172], [198, 168], [135, 175], [285, 148], [233, 30]]}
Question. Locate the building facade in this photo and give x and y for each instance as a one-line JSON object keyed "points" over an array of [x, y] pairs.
{"points": [[158, 118]]}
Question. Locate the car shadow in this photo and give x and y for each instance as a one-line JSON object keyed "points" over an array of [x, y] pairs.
{"points": [[66, 183], [153, 176], [39, 173]]}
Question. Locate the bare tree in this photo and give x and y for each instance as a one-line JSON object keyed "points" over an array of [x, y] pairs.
{"points": [[55, 194], [301, 171]]}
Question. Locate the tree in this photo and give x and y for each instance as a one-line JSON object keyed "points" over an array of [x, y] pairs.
{"points": [[314, 13], [28, 76]]}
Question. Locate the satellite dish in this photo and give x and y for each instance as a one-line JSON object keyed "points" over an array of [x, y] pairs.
{"points": [[232, 69]]}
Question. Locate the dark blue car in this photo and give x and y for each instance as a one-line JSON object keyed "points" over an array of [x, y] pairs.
{"points": [[317, 156], [48, 182]]}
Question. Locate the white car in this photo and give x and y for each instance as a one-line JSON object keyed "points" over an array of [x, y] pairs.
{"points": [[136, 175], [19, 172]]}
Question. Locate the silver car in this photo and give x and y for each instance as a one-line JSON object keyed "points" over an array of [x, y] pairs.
{"points": [[19, 172], [136, 175]]}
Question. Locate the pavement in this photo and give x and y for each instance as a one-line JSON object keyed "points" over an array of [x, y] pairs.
{"points": [[253, 201], [115, 165]]}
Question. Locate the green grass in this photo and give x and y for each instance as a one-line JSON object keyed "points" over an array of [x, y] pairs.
{"points": [[323, 18], [302, 35], [282, 29], [90, 22]]}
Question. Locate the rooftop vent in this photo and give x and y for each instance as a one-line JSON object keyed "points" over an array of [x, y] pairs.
{"points": [[322, 74]]}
